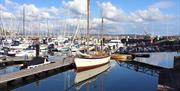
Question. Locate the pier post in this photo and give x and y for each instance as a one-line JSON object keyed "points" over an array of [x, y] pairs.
{"points": [[177, 62], [37, 48]]}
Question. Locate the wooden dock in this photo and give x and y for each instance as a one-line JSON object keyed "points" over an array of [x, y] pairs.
{"points": [[28, 72]]}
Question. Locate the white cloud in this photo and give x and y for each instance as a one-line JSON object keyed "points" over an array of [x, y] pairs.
{"points": [[76, 6], [151, 14], [34, 15], [45, 15], [111, 12], [52, 10], [7, 15], [2, 7], [8, 2], [32, 11], [116, 19], [163, 4]]}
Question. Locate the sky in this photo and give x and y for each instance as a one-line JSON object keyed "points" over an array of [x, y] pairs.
{"points": [[156, 17]]}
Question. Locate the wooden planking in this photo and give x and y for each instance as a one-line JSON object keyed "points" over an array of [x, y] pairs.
{"points": [[32, 71]]}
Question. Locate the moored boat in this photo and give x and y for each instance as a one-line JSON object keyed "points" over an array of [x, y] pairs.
{"points": [[122, 57], [11, 53], [141, 55], [85, 62], [36, 62]]}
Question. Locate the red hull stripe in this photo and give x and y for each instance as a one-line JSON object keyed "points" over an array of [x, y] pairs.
{"points": [[79, 69]]}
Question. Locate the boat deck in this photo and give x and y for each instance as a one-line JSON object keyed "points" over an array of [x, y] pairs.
{"points": [[14, 59]]}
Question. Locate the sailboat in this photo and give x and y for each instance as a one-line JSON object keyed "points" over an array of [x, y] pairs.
{"points": [[88, 61]]}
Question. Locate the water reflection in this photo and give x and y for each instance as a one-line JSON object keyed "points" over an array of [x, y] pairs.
{"points": [[140, 67], [88, 76], [163, 59]]}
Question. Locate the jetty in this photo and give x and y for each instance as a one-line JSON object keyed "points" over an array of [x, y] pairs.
{"points": [[36, 79], [35, 71]]}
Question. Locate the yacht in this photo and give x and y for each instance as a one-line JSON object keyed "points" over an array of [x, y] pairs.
{"points": [[37, 63], [86, 61]]}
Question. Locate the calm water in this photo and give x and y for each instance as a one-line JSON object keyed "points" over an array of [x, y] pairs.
{"points": [[115, 78], [163, 59], [124, 76]]}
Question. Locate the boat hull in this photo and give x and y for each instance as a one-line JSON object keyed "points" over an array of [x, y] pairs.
{"points": [[121, 57], [89, 63]]}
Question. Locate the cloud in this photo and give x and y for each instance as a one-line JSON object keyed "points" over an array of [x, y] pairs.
{"points": [[111, 12], [6, 14], [116, 20], [163, 4], [52, 10], [30, 9], [34, 16], [148, 15], [10, 3], [76, 6], [32, 12], [2, 7]]}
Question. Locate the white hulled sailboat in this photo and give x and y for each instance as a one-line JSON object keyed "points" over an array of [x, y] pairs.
{"points": [[88, 61]]}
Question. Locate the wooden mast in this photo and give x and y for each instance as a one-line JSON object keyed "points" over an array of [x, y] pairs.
{"points": [[1, 26], [88, 13], [102, 42], [24, 17], [47, 24]]}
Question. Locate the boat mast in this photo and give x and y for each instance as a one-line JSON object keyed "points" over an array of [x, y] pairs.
{"points": [[24, 21], [77, 30], [102, 42], [39, 27], [47, 24], [64, 33], [88, 13], [1, 27]]}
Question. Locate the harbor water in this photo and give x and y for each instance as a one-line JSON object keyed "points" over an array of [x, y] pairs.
{"points": [[124, 76]]}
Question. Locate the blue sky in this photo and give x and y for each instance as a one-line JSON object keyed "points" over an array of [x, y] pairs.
{"points": [[127, 5], [139, 16]]}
